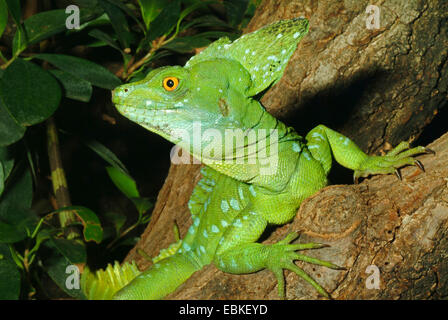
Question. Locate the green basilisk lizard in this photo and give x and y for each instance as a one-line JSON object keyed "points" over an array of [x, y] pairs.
{"points": [[247, 185]]}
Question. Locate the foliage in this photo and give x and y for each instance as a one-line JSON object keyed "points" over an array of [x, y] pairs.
{"points": [[41, 70]]}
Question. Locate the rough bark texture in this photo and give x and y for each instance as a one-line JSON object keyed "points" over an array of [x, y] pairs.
{"points": [[378, 87]]}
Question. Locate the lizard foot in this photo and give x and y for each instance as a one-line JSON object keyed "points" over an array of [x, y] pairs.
{"points": [[282, 255], [398, 157]]}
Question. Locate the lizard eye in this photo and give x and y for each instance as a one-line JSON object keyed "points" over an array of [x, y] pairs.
{"points": [[170, 83]]}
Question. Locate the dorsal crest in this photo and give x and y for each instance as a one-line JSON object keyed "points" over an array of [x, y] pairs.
{"points": [[264, 53]]}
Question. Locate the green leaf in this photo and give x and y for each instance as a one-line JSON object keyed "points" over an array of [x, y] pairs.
{"points": [[82, 68], [7, 161], [10, 130], [107, 155], [28, 95], [64, 253], [45, 24], [123, 182], [100, 35], [9, 275], [74, 88], [186, 44], [19, 41], [235, 10], [3, 16], [150, 9], [16, 219], [119, 22], [92, 226], [165, 21], [2, 179], [117, 219], [142, 204], [105, 38], [15, 10], [127, 9]]}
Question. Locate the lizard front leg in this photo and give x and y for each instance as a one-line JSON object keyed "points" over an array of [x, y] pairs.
{"points": [[238, 253], [324, 142]]}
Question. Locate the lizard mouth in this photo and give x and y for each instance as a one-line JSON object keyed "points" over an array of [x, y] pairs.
{"points": [[144, 115]]}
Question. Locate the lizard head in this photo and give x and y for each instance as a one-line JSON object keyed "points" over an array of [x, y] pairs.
{"points": [[156, 101], [171, 101], [215, 88]]}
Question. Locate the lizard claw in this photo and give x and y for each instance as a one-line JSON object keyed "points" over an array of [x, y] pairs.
{"points": [[427, 150], [398, 174], [419, 164]]}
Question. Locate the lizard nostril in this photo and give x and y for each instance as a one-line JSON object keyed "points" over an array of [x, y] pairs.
{"points": [[126, 90]]}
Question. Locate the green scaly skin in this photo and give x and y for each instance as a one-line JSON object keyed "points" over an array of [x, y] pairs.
{"points": [[234, 202]]}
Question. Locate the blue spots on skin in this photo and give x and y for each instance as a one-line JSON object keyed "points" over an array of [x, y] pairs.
{"points": [[317, 135], [191, 230], [214, 229], [296, 147], [252, 190], [224, 206], [205, 234], [196, 221], [202, 249], [313, 146], [186, 247], [224, 223], [240, 193], [237, 223], [307, 156], [234, 204]]}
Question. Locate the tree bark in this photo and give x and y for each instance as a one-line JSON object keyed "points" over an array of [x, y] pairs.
{"points": [[379, 87]]}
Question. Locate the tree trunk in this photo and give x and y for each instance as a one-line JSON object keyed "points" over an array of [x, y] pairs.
{"points": [[378, 86]]}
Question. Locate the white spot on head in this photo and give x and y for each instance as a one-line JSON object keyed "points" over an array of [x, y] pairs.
{"points": [[283, 51], [179, 104], [226, 46], [279, 36], [234, 204], [237, 223], [220, 90], [148, 103], [252, 190], [215, 229], [199, 89], [296, 35], [224, 206], [247, 51], [296, 147], [240, 193]]}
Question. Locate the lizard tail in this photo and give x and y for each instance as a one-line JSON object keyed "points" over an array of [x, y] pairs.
{"points": [[160, 279]]}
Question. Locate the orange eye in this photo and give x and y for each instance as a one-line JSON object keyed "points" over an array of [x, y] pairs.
{"points": [[170, 83]]}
